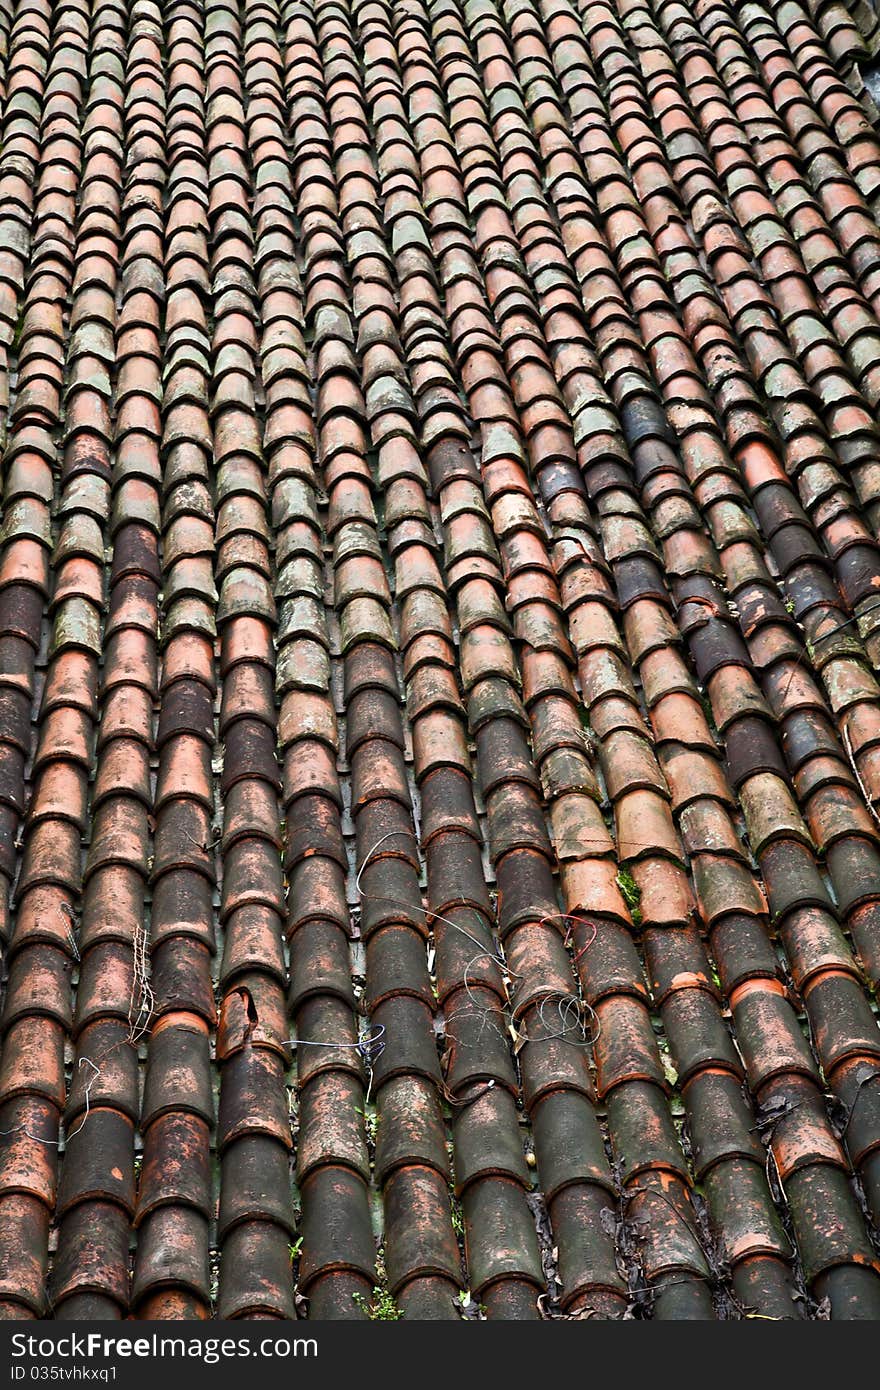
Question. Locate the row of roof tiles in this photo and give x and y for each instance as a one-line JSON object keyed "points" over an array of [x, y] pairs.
{"points": [[439, 716]]}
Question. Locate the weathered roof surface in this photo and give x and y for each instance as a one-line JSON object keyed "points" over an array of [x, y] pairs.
{"points": [[439, 651]]}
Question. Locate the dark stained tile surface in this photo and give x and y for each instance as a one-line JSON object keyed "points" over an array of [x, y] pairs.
{"points": [[439, 659]]}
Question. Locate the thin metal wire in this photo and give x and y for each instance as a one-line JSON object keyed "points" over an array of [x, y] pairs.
{"points": [[568, 1005], [56, 1143]]}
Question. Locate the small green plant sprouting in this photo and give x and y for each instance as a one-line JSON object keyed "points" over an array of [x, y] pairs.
{"points": [[468, 1308], [294, 1249], [371, 1123], [708, 712], [457, 1217], [382, 1308], [668, 1066], [632, 894]]}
